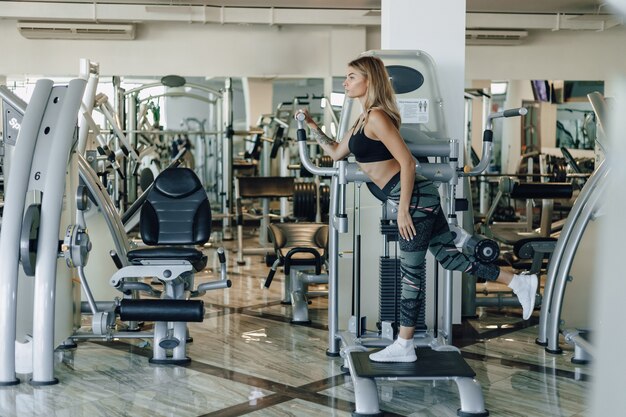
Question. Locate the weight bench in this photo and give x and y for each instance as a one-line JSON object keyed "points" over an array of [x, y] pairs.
{"points": [[175, 217], [258, 187], [301, 249]]}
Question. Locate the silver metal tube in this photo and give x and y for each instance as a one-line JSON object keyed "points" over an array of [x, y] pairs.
{"points": [[484, 159], [223, 274], [440, 172], [227, 157], [562, 273], [87, 290], [90, 72], [14, 203], [598, 176], [85, 307], [314, 279], [10, 97], [429, 148], [285, 155], [266, 172], [213, 285], [107, 111], [119, 335], [47, 246], [309, 165], [139, 286], [353, 173], [573, 336], [487, 148], [333, 272], [131, 118], [102, 199], [521, 111], [187, 84]]}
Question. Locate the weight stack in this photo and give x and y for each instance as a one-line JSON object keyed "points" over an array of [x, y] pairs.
{"points": [[390, 289], [391, 283]]}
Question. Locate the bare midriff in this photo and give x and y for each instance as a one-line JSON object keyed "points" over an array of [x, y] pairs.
{"points": [[380, 172]]}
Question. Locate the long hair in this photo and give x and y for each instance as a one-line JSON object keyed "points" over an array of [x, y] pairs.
{"points": [[380, 91]]}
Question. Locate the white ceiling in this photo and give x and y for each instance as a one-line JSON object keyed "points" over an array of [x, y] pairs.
{"points": [[483, 15], [494, 6]]}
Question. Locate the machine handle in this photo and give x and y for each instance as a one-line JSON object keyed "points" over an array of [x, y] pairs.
{"points": [[488, 139], [304, 153], [116, 259], [521, 111], [270, 276], [221, 256]]}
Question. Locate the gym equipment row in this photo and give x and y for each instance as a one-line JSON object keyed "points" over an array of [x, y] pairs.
{"points": [[47, 308]]}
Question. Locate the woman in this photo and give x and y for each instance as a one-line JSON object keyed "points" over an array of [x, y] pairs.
{"points": [[382, 154]]}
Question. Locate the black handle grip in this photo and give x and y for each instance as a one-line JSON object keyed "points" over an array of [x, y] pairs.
{"points": [[120, 173], [221, 256], [312, 251], [301, 135], [116, 259], [488, 136], [270, 277]]}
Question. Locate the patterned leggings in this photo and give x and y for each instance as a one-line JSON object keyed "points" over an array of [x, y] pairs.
{"points": [[433, 233]]}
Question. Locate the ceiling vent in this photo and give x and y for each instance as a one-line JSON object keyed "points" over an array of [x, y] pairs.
{"points": [[494, 37], [87, 31]]}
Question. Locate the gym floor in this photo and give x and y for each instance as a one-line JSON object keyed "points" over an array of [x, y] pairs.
{"points": [[247, 359]]}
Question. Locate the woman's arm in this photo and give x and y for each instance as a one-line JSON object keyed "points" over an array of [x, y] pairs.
{"points": [[379, 126], [336, 150]]}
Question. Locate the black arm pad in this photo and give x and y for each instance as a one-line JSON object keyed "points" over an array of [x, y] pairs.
{"points": [[161, 310], [542, 190]]}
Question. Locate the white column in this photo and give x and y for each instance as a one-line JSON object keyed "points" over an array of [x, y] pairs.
{"points": [[437, 28], [258, 97]]}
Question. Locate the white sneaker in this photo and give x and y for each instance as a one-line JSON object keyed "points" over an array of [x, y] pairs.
{"points": [[525, 287], [395, 353]]}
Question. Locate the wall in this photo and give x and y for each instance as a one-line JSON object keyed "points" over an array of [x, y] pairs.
{"points": [[316, 51], [191, 50], [562, 55]]}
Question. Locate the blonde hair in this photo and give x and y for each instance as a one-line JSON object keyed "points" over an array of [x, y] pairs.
{"points": [[380, 91]]}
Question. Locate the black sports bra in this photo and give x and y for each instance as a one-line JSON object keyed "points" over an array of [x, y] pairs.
{"points": [[365, 149]]}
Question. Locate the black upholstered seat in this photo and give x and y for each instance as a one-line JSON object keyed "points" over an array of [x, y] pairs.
{"points": [[175, 216]]}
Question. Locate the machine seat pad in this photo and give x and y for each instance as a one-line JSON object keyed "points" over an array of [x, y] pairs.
{"points": [[303, 235], [176, 253]]}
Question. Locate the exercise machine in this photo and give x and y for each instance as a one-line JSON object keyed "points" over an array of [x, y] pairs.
{"points": [[31, 237], [300, 248], [587, 207], [409, 71]]}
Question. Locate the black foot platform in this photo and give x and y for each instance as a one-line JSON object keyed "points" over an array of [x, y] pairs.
{"points": [[430, 365]]}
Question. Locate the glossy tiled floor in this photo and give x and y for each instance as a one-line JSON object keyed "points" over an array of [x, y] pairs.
{"points": [[247, 359]]}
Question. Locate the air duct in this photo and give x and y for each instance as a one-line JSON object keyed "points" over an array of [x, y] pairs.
{"points": [[73, 30]]}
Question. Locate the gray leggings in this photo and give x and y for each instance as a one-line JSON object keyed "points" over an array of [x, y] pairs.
{"points": [[433, 233]]}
